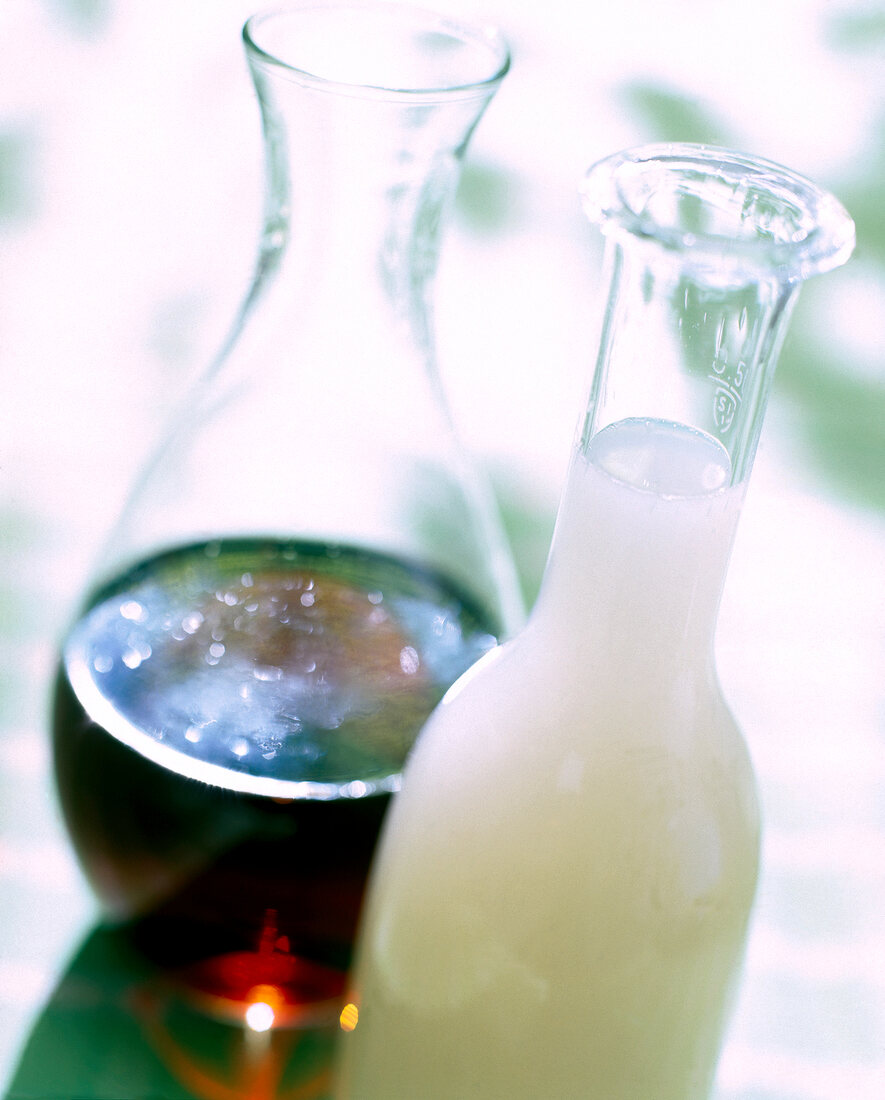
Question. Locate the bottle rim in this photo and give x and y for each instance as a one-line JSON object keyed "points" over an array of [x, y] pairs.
{"points": [[735, 216], [272, 40]]}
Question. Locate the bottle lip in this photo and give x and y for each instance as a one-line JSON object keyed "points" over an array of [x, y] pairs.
{"points": [[736, 217], [378, 49]]}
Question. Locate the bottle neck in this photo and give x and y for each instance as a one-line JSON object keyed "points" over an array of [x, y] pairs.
{"points": [[680, 343], [665, 449], [705, 253], [638, 563]]}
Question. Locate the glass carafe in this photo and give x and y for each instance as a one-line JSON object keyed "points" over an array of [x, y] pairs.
{"points": [[561, 899], [307, 563]]}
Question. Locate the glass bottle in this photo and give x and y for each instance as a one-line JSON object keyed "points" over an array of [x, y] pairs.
{"points": [[307, 563], [561, 899]]}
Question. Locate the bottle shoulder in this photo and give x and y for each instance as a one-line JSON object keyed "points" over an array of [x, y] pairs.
{"points": [[518, 723]]}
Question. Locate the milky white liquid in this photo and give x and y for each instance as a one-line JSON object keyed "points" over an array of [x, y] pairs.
{"points": [[560, 902]]}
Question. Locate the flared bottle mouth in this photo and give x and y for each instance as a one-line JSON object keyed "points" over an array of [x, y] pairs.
{"points": [[378, 48], [735, 216]]}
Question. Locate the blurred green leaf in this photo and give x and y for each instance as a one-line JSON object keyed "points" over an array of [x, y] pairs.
{"points": [[20, 535], [856, 31], [86, 17], [17, 194], [842, 416], [529, 529], [487, 199], [21, 531], [671, 116], [864, 198], [22, 614]]}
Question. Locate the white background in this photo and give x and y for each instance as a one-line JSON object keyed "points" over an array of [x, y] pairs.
{"points": [[129, 208]]}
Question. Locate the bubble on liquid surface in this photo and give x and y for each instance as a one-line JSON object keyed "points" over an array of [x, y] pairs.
{"points": [[661, 457], [233, 669]]}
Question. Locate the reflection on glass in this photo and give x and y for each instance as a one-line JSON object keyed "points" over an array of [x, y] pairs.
{"points": [[117, 1026]]}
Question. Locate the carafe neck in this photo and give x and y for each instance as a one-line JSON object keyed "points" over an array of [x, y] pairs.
{"points": [[360, 178], [357, 192], [323, 418]]}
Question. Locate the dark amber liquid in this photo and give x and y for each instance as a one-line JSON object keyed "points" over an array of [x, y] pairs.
{"points": [[223, 716]]}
